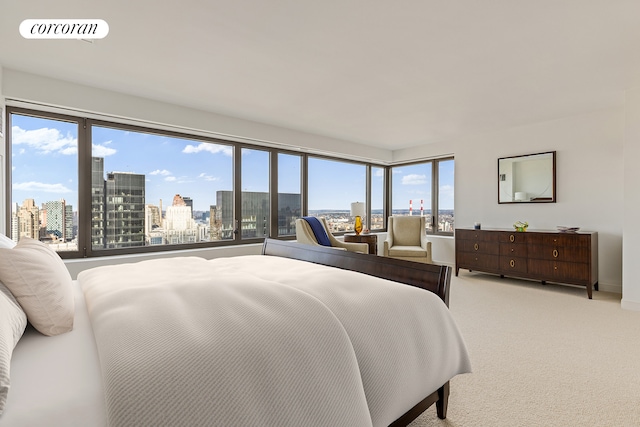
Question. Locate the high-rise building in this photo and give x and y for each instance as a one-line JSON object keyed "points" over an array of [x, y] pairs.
{"points": [[153, 217], [55, 224], [215, 224], [188, 202], [27, 220], [154, 234], [179, 224], [125, 196], [224, 218], [289, 209], [98, 203], [255, 214], [15, 222], [69, 233]]}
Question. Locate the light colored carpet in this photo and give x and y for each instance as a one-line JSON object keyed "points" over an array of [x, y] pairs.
{"points": [[542, 355]]}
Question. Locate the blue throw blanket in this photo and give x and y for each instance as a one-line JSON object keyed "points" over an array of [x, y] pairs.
{"points": [[318, 230]]}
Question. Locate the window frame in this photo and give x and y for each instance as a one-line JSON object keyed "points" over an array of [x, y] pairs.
{"points": [[435, 190], [367, 185], [85, 140]]}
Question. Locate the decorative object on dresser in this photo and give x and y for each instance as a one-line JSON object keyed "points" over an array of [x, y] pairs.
{"points": [[521, 226], [369, 239], [554, 256]]}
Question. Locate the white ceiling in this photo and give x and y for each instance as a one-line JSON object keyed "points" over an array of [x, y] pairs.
{"points": [[387, 74]]}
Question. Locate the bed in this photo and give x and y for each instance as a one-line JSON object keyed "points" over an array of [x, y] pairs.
{"points": [[300, 335]]}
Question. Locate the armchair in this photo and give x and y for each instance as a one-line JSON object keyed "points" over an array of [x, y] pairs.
{"points": [[407, 239], [305, 234]]}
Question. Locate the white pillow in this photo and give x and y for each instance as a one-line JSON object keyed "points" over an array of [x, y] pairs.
{"points": [[13, 321], [41, 283], [6, 242]]}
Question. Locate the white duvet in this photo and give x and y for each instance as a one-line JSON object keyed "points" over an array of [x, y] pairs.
{"points": [[265, 341]]}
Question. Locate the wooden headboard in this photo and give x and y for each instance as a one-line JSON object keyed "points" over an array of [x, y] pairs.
{"points": [[432, 277]]}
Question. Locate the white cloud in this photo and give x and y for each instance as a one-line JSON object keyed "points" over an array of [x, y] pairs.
{"points": [[414, 179], [162, 172], [211, 148], [41, 186], [45, 140], [208, 177], [99, 150], [170, 178]]}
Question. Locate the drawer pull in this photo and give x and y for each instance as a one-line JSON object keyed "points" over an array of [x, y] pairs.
{"points": [[512, 263], [555, 253], [512, 238], [475, 246]]}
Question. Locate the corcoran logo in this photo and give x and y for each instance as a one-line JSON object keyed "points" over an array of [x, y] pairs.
{"points": [[64, 29]]}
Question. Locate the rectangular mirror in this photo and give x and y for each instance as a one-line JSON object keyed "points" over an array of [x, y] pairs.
{"points": [[527, 179]]}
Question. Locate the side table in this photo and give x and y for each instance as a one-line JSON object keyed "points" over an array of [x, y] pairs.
{"points": [[370, 239]]}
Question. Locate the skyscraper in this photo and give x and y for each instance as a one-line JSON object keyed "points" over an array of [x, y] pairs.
{"points": [[55, 226], [98, 203], [255, 214], [179, 224], [125, 196], [26, 220]]}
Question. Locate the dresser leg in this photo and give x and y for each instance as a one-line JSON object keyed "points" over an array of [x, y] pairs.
{"points": [[589, 291], [544, 282], [596, 286]]}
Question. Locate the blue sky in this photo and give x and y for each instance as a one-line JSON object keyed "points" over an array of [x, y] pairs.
{"points": [[45, 158]]}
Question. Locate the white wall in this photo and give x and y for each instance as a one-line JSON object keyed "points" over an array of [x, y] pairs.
{"points": [[589, 182], [29, 87], [631, 242]]}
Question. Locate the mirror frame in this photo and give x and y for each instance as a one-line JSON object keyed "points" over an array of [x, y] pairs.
{"points": [[551, 199]]}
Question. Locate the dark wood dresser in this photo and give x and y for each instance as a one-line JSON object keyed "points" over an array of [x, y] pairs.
{"points": [[559, 257]]}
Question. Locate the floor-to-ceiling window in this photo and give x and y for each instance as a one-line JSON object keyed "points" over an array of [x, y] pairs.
{"points": [[425, 189], [44, 180], [153, 189], [377, 220], [91, 187], [289, 192], [333, 186], [255, 194]]}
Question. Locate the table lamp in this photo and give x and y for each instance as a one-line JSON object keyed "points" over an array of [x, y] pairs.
{"points": [[357, 210]]}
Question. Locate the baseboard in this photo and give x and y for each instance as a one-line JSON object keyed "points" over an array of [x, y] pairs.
{"points": [[630, 305], [604, 287]]}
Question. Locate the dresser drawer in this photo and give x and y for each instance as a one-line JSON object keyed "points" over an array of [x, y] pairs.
{"points": [[564, 272], [564, 239], [513, 265], [513, 250], [560, 253], [513, 237], [478, 246], [477, 235], [473, 261]]}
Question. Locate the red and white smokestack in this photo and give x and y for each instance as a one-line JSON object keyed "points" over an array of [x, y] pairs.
{"points": [[410, 207], [421, 208]]}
